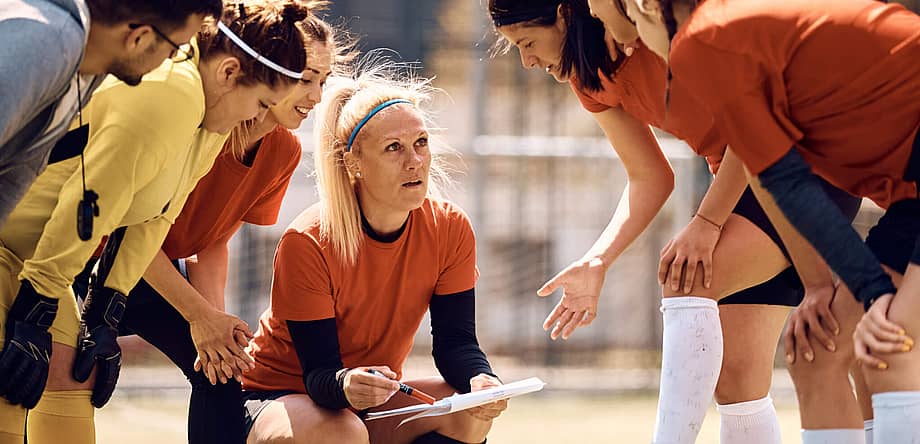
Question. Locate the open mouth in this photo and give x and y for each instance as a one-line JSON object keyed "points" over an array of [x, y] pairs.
{"points": [[302, 111], [413, 184]]}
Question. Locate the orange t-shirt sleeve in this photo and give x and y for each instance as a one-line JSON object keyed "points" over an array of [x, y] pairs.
{"points": [[266, 209], [458, 272], [301, 285], [588, 102], [747, 100]]}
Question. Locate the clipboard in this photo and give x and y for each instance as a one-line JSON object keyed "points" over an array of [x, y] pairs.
{"points": [[465, 401]]}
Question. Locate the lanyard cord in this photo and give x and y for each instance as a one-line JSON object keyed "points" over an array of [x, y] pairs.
{"points": [[80, 118], [88, 208]]}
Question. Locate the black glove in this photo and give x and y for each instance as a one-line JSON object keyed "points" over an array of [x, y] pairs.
{"points": [[27, 347], [97, 344]]}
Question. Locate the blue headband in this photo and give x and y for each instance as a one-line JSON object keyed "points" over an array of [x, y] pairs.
{"points": [[363, 121]]}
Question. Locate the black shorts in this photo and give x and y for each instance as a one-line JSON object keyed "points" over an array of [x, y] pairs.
{"points": [[256, 401], [785, 288], [893, 238]]}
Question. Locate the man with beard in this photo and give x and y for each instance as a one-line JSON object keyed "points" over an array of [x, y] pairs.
{"points": [[52, 60]]}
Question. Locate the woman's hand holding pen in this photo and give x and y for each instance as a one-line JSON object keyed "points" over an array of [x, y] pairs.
{"points": [[364, 390], [491, 411]]}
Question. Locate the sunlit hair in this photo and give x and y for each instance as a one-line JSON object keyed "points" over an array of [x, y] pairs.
{"points": [[347, 100], [314, 29]]}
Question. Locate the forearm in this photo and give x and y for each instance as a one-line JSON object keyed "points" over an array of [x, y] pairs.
{"points": [[169, 283], [725, 190], [798, 194], [455, 349], [317, 346], [209, 273], [650, 181], [640, 203], [59, 253]]}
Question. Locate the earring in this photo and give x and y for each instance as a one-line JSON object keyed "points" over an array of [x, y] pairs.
{"points": [[358, 174]]}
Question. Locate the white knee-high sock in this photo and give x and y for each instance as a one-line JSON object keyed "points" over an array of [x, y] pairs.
{"points": [[833, 436], [750, 422], [690, 362], [897, 417], [868, 426]]}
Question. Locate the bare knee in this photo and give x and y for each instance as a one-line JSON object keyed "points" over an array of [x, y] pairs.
{"points": [[340, 426], [740, 381], [824, 365], [465, 427], [60, 370]]}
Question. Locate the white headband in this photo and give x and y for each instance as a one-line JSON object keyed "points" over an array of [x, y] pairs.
{"points": [[248, 50]]}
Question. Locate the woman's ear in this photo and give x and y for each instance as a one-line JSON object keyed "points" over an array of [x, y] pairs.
{"points": [[228, 71], [352, 164], [560, 18]]}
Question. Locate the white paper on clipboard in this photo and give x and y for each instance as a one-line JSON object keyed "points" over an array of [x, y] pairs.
{"points": [[465, 401]]}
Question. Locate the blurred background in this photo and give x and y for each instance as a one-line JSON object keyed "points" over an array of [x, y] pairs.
{"points": [[540, 183]]}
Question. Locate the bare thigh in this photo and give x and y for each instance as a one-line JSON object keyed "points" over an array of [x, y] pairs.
{"points": [[744, 257], [296, 419]]}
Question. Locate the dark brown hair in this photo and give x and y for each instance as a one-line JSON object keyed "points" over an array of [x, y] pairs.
{"points": [[166, 15], [584, 51], [278, 30]]}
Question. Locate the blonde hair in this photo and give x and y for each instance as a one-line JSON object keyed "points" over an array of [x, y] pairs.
{"points": [[347, 100]]}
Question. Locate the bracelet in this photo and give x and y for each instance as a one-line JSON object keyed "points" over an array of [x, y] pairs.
{"points": [[710, 221]]}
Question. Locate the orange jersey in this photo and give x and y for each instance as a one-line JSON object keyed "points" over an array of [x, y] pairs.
{"points": [[840, 80], [639, 87], [378, 303], [232, 193]]}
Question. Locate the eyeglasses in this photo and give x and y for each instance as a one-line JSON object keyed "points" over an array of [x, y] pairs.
{"points": [[178, 54]]}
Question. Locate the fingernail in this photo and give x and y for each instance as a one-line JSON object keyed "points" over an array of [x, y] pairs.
{"points": [[902, 332], [809, 356], [882, 366], [905, 348], [832, 347], [789, 359], [836, 331], [909, 341]]}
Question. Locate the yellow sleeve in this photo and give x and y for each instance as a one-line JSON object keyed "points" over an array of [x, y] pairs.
{"points": [[134, 134], [140, 244], [114, 173]]}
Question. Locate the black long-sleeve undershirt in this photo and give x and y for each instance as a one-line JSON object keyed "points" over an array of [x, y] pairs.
{"points": [[798, 193], [317, 346], [456, 351]]}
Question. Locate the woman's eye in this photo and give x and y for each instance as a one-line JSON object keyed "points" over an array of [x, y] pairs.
{"points": [[263, 105], [393, 146], [421, 142], [528, 45]]}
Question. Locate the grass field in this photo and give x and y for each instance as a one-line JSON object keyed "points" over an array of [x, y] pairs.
{"points": [[555, 417]]}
